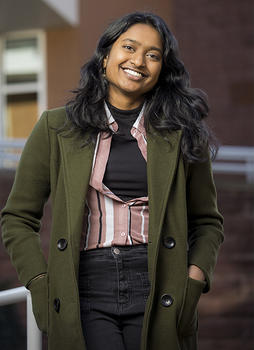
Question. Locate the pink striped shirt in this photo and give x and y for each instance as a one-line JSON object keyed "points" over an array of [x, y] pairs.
{"points": [[108, 219]]}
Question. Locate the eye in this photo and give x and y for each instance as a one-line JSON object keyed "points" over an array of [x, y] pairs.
{"points": [[153, 56], [128, 47]]}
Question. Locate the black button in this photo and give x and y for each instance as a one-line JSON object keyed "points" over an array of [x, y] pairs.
{"points": [[57, 304], [166, 300], [169, 242], [62, 244]]}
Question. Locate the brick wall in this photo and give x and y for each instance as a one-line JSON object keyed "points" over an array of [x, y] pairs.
{"points": [[216, 40], [227, 312]]}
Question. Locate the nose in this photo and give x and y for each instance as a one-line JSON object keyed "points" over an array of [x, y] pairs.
{"points": [[138, 59]]}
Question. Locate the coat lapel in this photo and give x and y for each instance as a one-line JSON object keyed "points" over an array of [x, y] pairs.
{"points": [[77, 163], [162, 159]]}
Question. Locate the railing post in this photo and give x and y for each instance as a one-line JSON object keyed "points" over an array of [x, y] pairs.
{"points": [[34, 335], [16, 295]]}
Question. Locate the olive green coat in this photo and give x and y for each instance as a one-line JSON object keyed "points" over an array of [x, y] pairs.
{"points": [[182, 204]]}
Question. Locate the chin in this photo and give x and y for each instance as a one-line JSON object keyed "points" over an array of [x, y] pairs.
{"points": [[132, 90]]}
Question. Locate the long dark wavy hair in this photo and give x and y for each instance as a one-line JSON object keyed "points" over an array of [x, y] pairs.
{"points": [[172, 104]]}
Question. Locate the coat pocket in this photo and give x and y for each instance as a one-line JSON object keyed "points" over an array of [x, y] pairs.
{"points": [[189, 318], [39, 294]]}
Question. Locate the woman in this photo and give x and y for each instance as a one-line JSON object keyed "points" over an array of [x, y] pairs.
{"points": [[123, 272]]}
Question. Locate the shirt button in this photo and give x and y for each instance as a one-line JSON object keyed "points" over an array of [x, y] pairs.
{"points": [[122, 234], [123, 205]]}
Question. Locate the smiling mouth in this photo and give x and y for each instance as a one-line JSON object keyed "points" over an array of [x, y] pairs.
{"points": [[134, 73]]}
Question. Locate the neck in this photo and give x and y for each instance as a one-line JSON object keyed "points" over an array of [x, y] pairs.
{"points": [[125, 102]]}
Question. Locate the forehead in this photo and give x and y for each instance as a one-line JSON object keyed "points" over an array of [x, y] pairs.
{"points": [[143, 34]]}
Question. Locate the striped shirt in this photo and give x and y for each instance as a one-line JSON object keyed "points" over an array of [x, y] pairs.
{"points": [[109, 220]]}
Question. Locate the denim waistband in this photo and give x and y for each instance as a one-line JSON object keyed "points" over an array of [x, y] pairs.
{"points": [[116, 249]]}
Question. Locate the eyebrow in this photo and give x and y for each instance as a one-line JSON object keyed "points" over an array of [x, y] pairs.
{"points": [[138, 43]]}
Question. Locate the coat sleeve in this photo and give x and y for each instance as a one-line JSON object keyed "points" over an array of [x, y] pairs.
{"points": [[205, 223], [21, 217]]}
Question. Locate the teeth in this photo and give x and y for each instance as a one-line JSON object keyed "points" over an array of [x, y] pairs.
{"points": [[132, 72]]}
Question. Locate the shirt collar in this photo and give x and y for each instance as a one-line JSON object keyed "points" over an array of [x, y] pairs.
{"points": [[138, 124]]}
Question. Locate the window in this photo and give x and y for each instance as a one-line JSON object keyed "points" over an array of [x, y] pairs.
{"points": [[23, 82]]}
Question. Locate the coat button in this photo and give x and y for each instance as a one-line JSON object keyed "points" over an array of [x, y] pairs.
{"points": [[56, 304], [62, 244], [166, 300], [169, 242]]}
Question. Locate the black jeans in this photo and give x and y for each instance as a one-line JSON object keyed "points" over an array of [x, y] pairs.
{"points": [[113, 287]]}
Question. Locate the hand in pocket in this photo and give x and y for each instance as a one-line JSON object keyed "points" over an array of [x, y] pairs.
{"points": [[188, 321], [39, 293]]}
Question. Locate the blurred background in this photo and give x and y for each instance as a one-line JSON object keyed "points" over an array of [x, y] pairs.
{"points": [[43, 44]]}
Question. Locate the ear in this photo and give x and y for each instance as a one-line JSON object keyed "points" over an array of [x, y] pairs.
{"points": [[105, 61]]}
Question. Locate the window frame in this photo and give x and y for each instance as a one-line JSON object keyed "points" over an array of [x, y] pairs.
{"points": [[39, 87]]}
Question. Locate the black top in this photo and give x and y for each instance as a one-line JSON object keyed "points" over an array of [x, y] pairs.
{"points": [[125, 173]]}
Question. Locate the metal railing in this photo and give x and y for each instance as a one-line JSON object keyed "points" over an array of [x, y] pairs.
{"points": [[16, 295], [235, 160], [229, 160], [10, 151]]}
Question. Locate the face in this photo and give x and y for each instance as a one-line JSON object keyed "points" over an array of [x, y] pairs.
{"points": [[134, 63]]}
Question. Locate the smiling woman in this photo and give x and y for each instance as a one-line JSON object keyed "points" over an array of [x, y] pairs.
{"points": [[135, 225]]}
